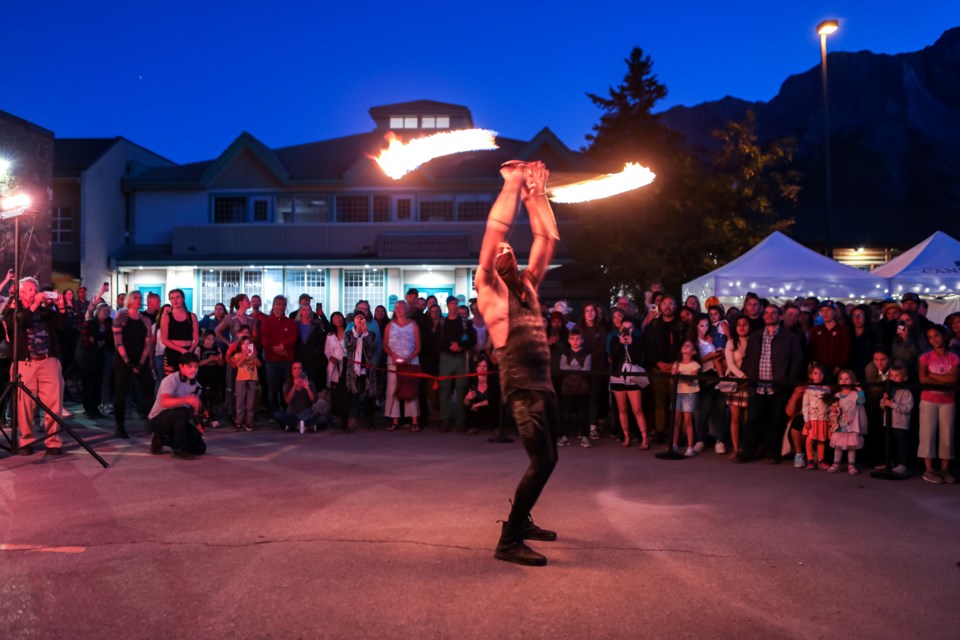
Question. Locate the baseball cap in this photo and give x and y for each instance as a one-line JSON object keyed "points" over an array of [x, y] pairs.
{"points": [[452, 299], [910, 296], [828, 303]]}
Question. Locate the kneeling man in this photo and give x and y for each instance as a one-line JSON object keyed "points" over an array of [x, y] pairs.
{"points": [[174, 417]]}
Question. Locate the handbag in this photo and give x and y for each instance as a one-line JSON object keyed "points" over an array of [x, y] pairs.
{"points": [[629, 368], [408, 386], [728, 386]]}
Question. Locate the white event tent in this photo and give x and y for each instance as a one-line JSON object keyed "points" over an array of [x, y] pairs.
{"points": [[931, 268], [779, 267]]}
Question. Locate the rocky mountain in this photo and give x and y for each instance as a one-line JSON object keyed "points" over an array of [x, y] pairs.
{"points": [[894, 126]]}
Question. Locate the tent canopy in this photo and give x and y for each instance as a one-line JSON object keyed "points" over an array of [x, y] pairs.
{"points": [[781, 267], [930, 268]]}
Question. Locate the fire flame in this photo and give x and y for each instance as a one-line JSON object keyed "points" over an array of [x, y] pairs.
{"points": [[399, 158], [632, 177]]}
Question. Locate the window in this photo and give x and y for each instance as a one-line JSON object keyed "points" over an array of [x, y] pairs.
{"points": [[428, 122], [443, 122], [312, 208], [62, 225], [405, 122], [363, 284], [311, 281], [381, 208], [353, 208], [404, 208], [436, 210], [261, 210], [220, 285], [284, 209], [229, 209], [474, 209]]}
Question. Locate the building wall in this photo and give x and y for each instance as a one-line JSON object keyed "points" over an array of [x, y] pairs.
{"points": [[29, 148], [103, 216], [66, 194], [156, 213]]}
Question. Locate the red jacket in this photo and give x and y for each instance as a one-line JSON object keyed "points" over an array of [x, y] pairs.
{"points": [[278, 331]]}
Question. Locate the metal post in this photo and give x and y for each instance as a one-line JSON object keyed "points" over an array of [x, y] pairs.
{"points": [[828, 195]]}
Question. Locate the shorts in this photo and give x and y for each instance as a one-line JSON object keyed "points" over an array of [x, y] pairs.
{"points": [[687, 402]]}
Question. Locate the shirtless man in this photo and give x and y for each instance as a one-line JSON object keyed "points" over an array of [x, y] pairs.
{"points": [[508, 301]]}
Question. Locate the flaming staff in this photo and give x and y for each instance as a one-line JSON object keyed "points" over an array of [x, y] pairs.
{"points": [[632, 177], [400, 158]]}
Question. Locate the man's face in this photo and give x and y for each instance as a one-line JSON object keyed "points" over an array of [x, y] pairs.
{"points": [[464, 313], [189, 371], [668, 307], [365, 308], [153, 304], [791, 316], [256, 303], [881, 361], [411, 300], [576, 342], [120, 300], [452, 308], [421, 304], [28, 291], [279, 306], [82, 293], [827, 314], [771, 316], [752, 307]]}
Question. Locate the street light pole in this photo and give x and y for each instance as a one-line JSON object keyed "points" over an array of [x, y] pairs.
{"points": [[824, 29]]}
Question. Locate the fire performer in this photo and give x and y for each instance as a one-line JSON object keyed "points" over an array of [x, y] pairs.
{"points": [[508, 301]]}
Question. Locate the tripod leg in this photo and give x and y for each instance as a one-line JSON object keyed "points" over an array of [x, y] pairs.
{"points": [[63, 425], [3, 399]]}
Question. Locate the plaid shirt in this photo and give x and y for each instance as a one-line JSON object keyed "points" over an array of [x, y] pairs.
{"points": [[766, 365], [830, 347]]}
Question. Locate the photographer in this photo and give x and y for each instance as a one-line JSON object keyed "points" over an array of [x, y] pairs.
{"points": [[299, 396], [174, 417], [40, 369]]}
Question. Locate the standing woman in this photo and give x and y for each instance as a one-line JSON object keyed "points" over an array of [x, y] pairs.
{"points": [[595, 344], [96, 361], [311, 342], [361, 348], [430, 355], [401, 343], [737, 401], [179, 332], [335, 353], [625, 351], [133, 344], [863, 340], [70, 333]]}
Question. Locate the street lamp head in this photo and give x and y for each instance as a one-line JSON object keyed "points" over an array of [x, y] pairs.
{"points": [[827, 27], [14, 202]]}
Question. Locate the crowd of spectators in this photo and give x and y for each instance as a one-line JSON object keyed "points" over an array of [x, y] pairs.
{"points": [[808, 378]]}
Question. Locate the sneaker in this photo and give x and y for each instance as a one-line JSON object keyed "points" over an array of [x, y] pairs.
{"points": [[564, 442], [594, 435], [303, 428], [691, 452], [900, 470], [833, 468], [698, 447], [720, 448], [811, 466], [932, 477], [585, 442], [249, 427], [948, 478], [799, 461], [823, 466]]}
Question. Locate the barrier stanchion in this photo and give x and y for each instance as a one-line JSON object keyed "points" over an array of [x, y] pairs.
{"points": [[887, 472]]}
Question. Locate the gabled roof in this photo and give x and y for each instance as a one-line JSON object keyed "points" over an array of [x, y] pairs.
{"points": [[416, 107], [73, 156], [246, 142]]}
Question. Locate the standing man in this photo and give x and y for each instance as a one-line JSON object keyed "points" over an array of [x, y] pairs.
{"points": [[40, 371], [661, 348], [830, 341], [278, 335], [508, 301], [457, 338], [133, 345], [773, 355]]}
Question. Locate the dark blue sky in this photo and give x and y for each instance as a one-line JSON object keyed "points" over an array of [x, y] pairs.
{"points": [[185, 78]]}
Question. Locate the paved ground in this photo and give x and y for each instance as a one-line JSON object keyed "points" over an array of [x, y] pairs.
{"points": [[390, 535]]}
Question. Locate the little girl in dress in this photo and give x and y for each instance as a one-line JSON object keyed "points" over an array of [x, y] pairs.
{"points": [[851, 422], [816, 415]]}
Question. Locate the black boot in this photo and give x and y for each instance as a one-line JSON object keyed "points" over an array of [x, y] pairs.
{"points": [[532, 532], [511, 549], [121, 432]]}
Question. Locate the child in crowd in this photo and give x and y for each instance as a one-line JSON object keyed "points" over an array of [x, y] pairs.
{"points": [[211, 372], [901, 406], [575, 365], [816, 415], [686, 404], [245, 360], [851, 422]]}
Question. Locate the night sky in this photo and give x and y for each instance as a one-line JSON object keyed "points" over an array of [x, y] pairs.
{"points": [[185, 78]]}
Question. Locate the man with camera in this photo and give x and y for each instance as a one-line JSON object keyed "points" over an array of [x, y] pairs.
{"points": [[38, 350], [174, 419]]}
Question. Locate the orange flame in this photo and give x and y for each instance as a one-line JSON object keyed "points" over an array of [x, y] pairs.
{"points": [[399, 158], [632, 177]]}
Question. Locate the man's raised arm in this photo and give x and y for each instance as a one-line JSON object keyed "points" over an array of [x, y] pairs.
{"points": [[542, 221], [500, 219]]}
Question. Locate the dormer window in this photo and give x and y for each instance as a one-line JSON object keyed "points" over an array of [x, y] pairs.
{"points": [[422, 122]]}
